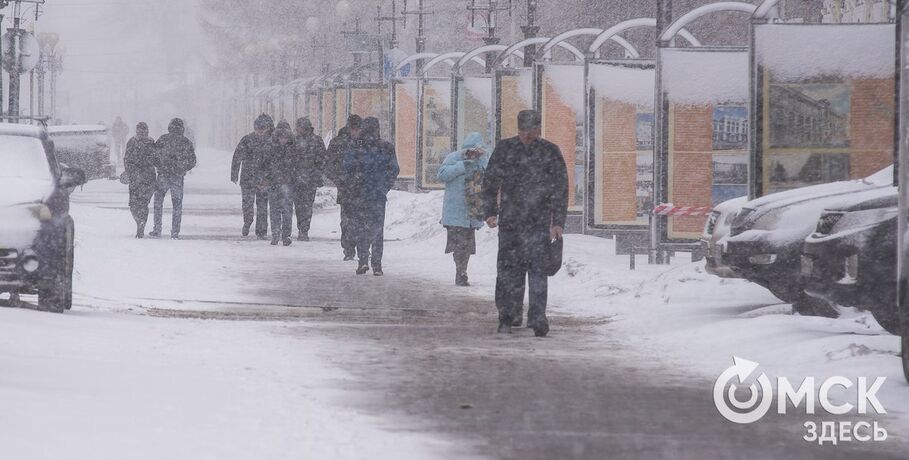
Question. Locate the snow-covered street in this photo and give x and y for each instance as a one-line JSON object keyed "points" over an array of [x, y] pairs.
{"points": [[224, 347]]}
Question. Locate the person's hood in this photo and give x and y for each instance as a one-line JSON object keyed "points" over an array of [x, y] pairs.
{"points": [[176, 126], [264, 122], [472, 141]]}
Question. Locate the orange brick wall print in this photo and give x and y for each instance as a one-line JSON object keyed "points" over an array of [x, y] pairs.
{"points": [[340, 108], [872, 125], [560, 128], [616, 160], [511, 104], [314, 107], [690, 165], [406, 130], [328, 113]]}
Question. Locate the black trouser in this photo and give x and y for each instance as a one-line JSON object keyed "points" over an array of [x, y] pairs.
{"points": [[369, 222], [174, 185], [255, 206], [140, 196], [279, 196], [304, 197], [348, 230], [522, 255]]}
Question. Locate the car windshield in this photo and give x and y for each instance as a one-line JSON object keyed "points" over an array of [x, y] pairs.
{"points": [[23, 157]]}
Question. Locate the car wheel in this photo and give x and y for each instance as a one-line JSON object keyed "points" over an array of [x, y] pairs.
{"points": [[806, 305]]}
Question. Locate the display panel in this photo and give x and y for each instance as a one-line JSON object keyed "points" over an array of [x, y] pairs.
{"points": [[562, 106], [474, 98], [340, 108], [328, 114], [371, 102], [314, 106], [622, 140], [436, 130], [515, 94], [704, 142], [405, 94], [827, 111]]}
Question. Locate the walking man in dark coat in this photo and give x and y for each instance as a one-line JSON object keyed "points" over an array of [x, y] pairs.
{"points": [[530, 176], [140, 162], [282, 167], [335, 173], [312, 150], [370, 170], [247, 169], [176, 157]]}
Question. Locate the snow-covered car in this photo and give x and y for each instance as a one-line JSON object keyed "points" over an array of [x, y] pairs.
{"points": [[850, 259], [766, 239], [718, 226], [86, 147], [36, 230]]}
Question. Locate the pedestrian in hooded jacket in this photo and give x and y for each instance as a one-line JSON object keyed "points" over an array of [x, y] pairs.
{"points": [[335, 172], [282, 168], [462, 208], [176, 157], [525, 193], [370, 170], [247, 169], [312, 151], [140, 162]]}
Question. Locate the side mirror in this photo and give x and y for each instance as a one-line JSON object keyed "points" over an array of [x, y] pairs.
{"points": [[71, 178]]}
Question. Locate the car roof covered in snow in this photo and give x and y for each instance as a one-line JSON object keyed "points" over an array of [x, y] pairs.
{"points": [[77, 129], [882, 178], [16, 129]]}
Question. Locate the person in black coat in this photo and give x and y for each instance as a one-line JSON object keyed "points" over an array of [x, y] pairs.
{"points": [[140, 162], [530, 176], [335, 173], [370, 170], [247, 170], [176, 157], [312, 150], [282, 167]]}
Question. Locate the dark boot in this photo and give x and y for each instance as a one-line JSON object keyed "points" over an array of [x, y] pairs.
{"points": [[461, 261], [504, 328], [140, 231], [541, 328], [275, 241], [287, 241], [304, 236], [363, 267], [519, 317], [245, 231], [377, 270]]}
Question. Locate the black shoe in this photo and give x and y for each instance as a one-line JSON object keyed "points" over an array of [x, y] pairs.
{"points": [[245, 231], [287, 241], [377, 271], [461, 280], [262, 237], [175, 237], [155, 234], [363, 268], [541, 329], [275, 241], [140, 234], [349, 258], [304, 236], [504, 328], [517, 322]]}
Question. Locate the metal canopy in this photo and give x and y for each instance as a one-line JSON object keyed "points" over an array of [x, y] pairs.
{"points": [[515, 49], [676, 27], [545, 51], [614, 31]]}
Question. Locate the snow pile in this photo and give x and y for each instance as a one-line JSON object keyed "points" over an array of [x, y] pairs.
{"points": [[801, 52], [625, 84], [697, 77], [414, 216]]}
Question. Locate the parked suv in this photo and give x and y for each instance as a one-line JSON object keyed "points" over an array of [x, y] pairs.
{"points": [[718, 225], [36, 230], [850, 259]]}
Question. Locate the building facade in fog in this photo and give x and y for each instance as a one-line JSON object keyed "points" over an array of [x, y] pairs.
{"points": [[856, 11]]}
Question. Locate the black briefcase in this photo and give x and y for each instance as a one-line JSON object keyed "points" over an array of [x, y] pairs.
{"points": [[554, 256]]}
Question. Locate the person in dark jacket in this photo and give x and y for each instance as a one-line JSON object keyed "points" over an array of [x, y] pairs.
{"points": [[282, 168], [334, 170], [247, 170], [176, 157], [312, 150], [530, 176], [140, 162], [370, 170]]}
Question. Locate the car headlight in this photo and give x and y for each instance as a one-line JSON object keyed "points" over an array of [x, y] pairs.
{"points": [[31, 264], [762, 259], [866, 218]]}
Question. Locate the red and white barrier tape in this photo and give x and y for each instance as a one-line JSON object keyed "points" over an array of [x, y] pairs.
{"points": [[670, 210]]}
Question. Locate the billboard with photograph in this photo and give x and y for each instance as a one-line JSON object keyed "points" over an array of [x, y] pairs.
{"points": [[620, 180], [703, 142], [474, 109], [340, 107], [435, 130], [328, 114], [313, 107], [371, 101], [825, 95]]}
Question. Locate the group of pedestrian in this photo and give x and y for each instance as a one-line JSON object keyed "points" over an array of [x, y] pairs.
{"points": [[155, 168], [279, 170]]}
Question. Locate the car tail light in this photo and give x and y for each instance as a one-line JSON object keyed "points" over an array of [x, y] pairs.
{"points": [[827, 221]]}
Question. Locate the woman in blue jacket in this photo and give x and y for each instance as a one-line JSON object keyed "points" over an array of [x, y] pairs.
{"points": [[462, 208]]}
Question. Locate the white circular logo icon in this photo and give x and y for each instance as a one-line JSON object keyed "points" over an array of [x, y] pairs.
{"points": [[730, 407]]}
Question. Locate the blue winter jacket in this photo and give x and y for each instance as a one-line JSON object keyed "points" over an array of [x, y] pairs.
{"points": [[454, 170], [370, 168]]}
